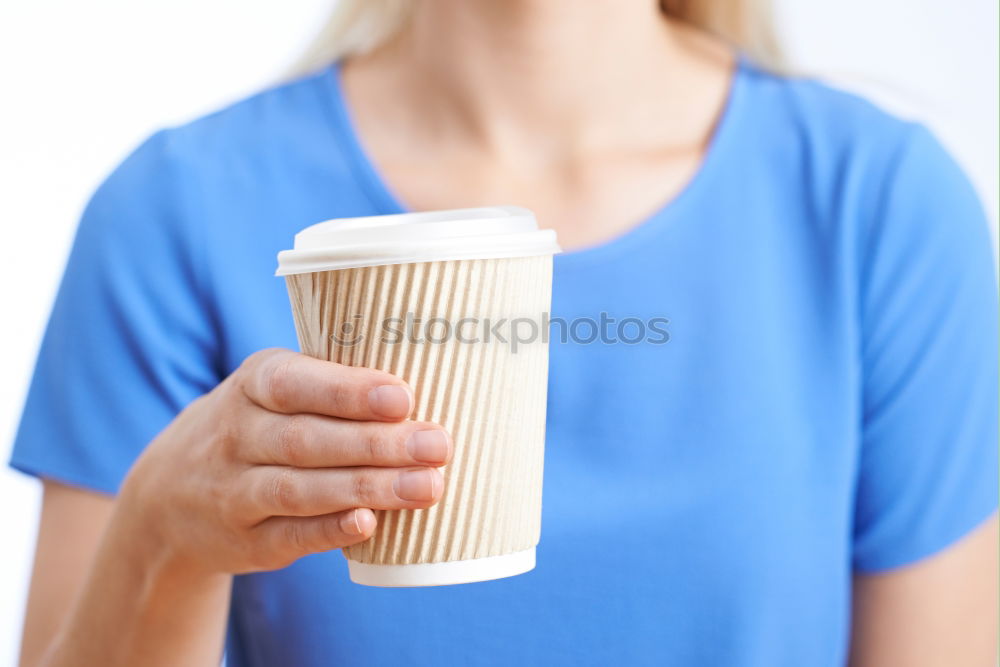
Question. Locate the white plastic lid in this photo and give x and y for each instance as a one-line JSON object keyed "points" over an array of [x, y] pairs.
{"points": [[465, 233]]}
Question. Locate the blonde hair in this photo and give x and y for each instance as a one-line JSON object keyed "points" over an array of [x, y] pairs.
{"points": [[358, 26]]}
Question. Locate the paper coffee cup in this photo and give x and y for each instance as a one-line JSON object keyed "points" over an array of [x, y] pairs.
{"points": [[455, 303]]}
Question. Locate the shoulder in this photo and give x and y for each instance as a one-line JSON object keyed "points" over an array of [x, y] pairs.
{"points": [[232, 146], [268, 125], [222, 155], [858, 164], [811, 110]]}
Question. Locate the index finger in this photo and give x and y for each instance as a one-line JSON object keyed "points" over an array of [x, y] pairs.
{"points": [[287, 382]]}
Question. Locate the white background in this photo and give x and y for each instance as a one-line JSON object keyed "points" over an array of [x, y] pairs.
{"points": [[83, 82]]}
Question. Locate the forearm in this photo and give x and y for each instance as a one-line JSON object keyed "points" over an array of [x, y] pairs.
{"points": [[140, 606], [223, 489]]}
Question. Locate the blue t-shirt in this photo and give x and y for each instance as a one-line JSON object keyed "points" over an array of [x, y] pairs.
{"points": [[826, 402]]}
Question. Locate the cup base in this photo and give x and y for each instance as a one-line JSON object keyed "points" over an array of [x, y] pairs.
{"points": [[443, 574]]}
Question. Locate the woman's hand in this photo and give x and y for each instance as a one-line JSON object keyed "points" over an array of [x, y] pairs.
{"points": [[287, 457]]}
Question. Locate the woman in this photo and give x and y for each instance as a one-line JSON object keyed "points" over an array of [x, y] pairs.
{"points": [[805, 474]]}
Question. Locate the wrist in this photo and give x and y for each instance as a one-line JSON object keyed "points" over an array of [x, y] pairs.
{"points": [[144, 541]]}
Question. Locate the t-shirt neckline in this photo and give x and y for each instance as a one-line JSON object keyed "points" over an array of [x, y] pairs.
{"points": [[385, 202]]}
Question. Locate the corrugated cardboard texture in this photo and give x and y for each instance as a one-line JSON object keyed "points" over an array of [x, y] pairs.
{"points": [[489, 397]]}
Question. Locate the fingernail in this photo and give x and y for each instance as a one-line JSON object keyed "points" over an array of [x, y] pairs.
{"points": [[349, 523], [390, 400], [366, 520], [417, 485], [358, 522], [430, 446]]}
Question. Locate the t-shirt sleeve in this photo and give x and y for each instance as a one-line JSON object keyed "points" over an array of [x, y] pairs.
{"points": [[928, 311], [130, 340]]}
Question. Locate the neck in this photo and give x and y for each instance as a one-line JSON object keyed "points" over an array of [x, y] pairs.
{"points": [[578, 76]]}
